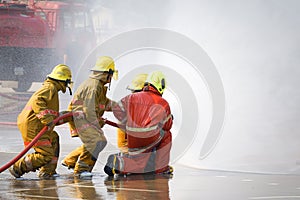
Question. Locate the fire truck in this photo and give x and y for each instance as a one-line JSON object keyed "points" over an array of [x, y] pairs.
{"points": [[37, 35]]}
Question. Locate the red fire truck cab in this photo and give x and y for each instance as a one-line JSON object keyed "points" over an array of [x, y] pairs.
{"points": [[37, 35]]}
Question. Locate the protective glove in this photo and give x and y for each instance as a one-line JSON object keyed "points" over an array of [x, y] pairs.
{"points": [[63, 112], [47, 120], [64, 120], [101, 122], [79, 115], [50, 125]]}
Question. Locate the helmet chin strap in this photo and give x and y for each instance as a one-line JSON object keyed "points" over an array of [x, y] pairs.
{"points": [[70, 90], [109, 76], [68, 81]]}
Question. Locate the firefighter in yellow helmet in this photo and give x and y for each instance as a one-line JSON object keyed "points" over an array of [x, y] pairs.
{"points": [[136, 85], [41, 109], [90, 100], [148, 120]]}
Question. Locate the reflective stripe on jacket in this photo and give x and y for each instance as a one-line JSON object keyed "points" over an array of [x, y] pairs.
{"points": [[90, 98], [42, 108], [146, 115]]}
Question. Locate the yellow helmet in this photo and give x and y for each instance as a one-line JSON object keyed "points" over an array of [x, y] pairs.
{"points": [[138, 82], [61, 72], [158, 80], [106, 64]]}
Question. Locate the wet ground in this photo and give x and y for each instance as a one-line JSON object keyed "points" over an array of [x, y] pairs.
{"points": [[185, 183]]}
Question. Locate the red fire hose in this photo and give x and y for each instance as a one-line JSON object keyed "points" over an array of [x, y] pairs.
{"points": [[121, 126], [15, 159]]}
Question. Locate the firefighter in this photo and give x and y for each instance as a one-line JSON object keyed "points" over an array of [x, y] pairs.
{"points": [[136, 85], [41, 109], [148, 121], [90, 100]]}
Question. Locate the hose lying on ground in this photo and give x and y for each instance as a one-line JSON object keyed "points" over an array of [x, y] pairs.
{"points": [[37, 137]]}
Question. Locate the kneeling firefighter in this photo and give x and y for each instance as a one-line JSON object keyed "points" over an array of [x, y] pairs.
{"points": [[41, 109], [136, 85], [148, 120]]}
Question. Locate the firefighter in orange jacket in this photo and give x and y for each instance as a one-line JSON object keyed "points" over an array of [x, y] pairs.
{"points": [[90, 100], [148, 121], [136, 85], [41, 109]]}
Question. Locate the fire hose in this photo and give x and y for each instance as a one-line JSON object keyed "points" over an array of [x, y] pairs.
{"points": [[45, 129]]}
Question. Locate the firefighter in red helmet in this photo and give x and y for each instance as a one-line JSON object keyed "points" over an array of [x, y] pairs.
{"points": [[148, 120]]}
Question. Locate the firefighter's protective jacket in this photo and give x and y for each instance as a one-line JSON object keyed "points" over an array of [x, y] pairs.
{"points": [[90, 99], [147, 117], [41, 109]]}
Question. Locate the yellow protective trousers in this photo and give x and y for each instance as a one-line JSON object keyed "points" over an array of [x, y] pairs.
{"points": [[122, 141], [84, 157], [45, 156]]}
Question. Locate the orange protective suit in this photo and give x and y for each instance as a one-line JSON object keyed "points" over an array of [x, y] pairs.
{"points": [[148, 122]]}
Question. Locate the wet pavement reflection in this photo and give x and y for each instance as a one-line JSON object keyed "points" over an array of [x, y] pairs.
{"points": [[186, 183], [139, 186], [97, 187]]}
